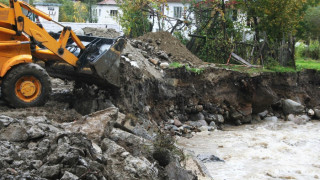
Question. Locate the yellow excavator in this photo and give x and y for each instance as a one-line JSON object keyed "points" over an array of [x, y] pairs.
{"points": [[29, 54]]}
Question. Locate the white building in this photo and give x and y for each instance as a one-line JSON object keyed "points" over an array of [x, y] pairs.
{"points": [[50, 8], [174, 10], [107, 11]]}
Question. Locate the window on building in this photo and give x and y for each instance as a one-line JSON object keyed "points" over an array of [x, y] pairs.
{"points": [[99, 12], [177, 12], [95, 12], [113, 13]]}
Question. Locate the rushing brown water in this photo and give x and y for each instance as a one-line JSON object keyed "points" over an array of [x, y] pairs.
{"points": [[268, 150]]}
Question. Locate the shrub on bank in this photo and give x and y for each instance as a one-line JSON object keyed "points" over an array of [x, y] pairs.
{"points": [[308, 51]]}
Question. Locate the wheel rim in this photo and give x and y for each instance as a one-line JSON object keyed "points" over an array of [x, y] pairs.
{"points": [[28, 88]]}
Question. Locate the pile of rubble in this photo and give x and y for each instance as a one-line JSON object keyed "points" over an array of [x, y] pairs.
{"points": [[90, 148], [100, 32], [204, 119]]}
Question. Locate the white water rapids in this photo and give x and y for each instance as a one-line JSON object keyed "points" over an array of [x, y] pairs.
{"points": [[267, 150]]}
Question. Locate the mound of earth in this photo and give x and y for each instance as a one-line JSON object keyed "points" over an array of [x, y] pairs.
{"points": [[172, 46], [101, 32]]}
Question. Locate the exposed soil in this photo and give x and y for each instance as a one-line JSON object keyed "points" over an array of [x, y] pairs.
{"points": [[172, 46], [151, 93], [101, 32]]}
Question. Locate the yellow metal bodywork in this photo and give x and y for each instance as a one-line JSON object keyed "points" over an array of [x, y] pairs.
{"points": [[16, 30]]}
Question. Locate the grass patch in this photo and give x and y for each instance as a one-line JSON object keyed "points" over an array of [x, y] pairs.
{"points": [[307, 64], [188, 68], [301, 64], [175, 65]]}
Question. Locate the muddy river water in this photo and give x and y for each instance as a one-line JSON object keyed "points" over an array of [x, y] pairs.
{"points": [[267, 150]]}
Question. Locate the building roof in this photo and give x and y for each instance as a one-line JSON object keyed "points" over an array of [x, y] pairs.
{"points": [[107, 2], [113, 2], [47, 4]]}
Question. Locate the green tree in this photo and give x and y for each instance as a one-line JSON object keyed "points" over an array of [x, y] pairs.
{"points": [[312, 21], [66, 13], [6, 2], [134, 17]]}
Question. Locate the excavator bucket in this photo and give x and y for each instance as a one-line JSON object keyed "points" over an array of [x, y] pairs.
{"points": [[101, 55], [107, 64]]}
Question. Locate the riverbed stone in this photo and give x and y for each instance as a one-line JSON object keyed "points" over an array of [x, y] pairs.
{"points": [[246, 119], [311, 112], [212, 123], [219, 118], [203, 128], [199, 108], [291, 107], [271, 118], [210, 117], [298, 119], [209, 158], [236, 115], [203, 122], [177, 122], [317, 113], [175, 171], [263, 114], [197, 116]]}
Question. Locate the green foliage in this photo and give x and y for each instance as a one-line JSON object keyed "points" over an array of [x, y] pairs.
{"points": [[312, 21], [276, 18], [188, 68], [66, 11], [311, 51], [133, 19], [6, 2], [195, 70], [217, 30], [175, 65], [307, 64], [180, 36]]}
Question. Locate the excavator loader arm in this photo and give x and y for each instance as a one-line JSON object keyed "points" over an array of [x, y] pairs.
{"points": [[103, 62]]}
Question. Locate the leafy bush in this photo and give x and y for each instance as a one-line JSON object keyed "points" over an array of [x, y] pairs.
{"points": [[312, 51], [299, 50]]}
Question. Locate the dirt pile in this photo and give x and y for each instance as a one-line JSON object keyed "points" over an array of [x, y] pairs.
{"points": [[101, 32], [164, 41]]}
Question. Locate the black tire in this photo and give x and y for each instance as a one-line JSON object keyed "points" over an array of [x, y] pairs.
{"points": [[17, 74]]}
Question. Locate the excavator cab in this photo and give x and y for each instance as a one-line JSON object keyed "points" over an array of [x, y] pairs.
{"points": [[24, 43]]}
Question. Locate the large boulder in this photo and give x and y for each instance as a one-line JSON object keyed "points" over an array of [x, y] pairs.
{"points": [[291, 107], [123, 166], [95, 125]]}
